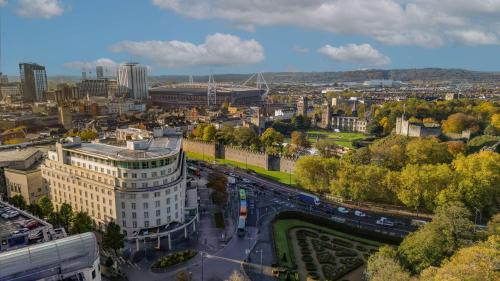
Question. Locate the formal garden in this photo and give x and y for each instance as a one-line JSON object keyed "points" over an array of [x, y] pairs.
{"points": [[172, 259], [318, 253]]}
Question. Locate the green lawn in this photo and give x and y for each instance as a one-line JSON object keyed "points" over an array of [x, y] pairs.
{"points": [[341, 138], [274, 175], [281, 228]]}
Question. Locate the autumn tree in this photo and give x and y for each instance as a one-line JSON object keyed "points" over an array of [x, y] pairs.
{"points": [[427, 151], [450, 229], [315, 173], [458, 122], [421, 184], [326, 148], [272, 140], [209, 133], [299, 139]]}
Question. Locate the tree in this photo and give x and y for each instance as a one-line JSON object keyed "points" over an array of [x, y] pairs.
{"points": [[326, 148], [315, 173], [81, 223], [449, 230], [386, 125], [46, 206], [299, 139], [494, 225], [271, 139], [66, 215], [427, 151], [209, 133], [476, 263], [35, 210], [478, 180], [225, 135], [18, 201], [421, 184], [382, 268], [456, 147], [182, 276], [361, 183], [113, 238], [360, 156], [390, 151], [245, 137], [458, 122], [199, 130]]}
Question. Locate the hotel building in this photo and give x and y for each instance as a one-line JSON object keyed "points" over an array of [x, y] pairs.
{"points": [[140, 186]]}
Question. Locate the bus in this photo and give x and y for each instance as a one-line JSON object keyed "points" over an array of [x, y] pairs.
{"points": [[241, 226], [243, 194]]}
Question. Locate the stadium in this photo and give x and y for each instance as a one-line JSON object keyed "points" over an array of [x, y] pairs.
{"points": [[195, 95]]}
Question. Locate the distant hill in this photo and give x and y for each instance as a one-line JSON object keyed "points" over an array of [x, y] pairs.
{"points": [[405, 75]]}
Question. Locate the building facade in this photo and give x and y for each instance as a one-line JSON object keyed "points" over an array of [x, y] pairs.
{"points": [[27, 183], [302, 106], [12, 90], [97, 87], [132, 80], [349, 124], [406, 128], [33, 81], [141, 186]]}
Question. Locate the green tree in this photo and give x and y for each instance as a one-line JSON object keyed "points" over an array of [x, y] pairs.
{"points": [[66, 215], [494, 225], [18, 201], [299, 139], [199, 130], [315, 173], [421, 184], [113, 238], [326, 148], [427, 151], [246, 137], [478, 262], [81, 223], [35, 210], [209, 133], [450, 229], [360, 156], [390, 152], [271, 139], [382, 268], [478, 180], [46, 206]]}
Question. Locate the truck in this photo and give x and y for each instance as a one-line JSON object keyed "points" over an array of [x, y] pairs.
{"points": [[309, 198], [385, 222], [243, 208]]}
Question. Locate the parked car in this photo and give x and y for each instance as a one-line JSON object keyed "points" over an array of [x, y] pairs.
{"points": [[359, 214], [385, 222], [343, 210]]}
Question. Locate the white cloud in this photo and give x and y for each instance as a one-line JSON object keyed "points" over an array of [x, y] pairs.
{"points": [[108, 64], [3, 3], [299, 49], [40, 9], [217, 50], [363, 54], [427, 23]]}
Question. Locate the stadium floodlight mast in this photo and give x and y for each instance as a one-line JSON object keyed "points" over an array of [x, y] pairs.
{"points": [[211, 91], [260, 83]]}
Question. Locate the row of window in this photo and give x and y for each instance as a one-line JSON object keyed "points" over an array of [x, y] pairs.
{"points": [[145, 205], [146, 222], [156, 194]]}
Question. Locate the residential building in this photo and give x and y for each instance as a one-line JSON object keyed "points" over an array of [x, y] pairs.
{"points": [[141, 186], [132, 80], [33, 81]]}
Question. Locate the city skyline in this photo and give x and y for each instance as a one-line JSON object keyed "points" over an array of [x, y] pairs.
{"points": [[238, 37]]}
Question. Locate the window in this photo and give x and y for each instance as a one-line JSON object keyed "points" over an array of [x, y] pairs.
{"points": [[145, 205], [143, 175], [134, 175], [134, 185], [144, 184], [124, 223], [157, 194], [134, 224], [146, 215], [134, 215], [93, 274], [154, 174], [123, 205], [145, 195], [168, 210], [158, 213], [146, 224], [123, 214], [157, 204], [158, 221], [133, 206], [125, 175], [168, 201]]}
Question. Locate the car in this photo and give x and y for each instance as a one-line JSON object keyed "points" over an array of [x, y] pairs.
{"points": [[385, 222], [342, 210], [359, 214], [247, 181]]}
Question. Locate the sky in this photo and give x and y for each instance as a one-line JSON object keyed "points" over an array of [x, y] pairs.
{"points": [[244, 36]]}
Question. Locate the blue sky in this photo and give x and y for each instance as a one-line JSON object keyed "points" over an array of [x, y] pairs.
{"points": [[182, 37]]}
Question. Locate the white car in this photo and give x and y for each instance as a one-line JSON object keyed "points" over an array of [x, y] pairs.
{"points": [[342, 210], [359, 214], [385, 222]]}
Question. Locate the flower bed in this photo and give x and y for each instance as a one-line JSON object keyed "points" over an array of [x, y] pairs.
{"points": [[173, 259]]}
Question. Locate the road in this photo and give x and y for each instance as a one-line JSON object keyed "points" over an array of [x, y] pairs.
{"points": [[287, 195]]}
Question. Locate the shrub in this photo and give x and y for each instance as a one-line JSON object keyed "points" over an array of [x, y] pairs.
{"points": [[174, 258]]}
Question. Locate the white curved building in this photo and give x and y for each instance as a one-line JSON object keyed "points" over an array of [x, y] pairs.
{"points": [[140, 186]]}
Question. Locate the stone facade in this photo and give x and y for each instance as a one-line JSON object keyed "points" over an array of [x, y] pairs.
{"points": [[405, 128], [204, 148], [349, 124], [249, 157]]}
